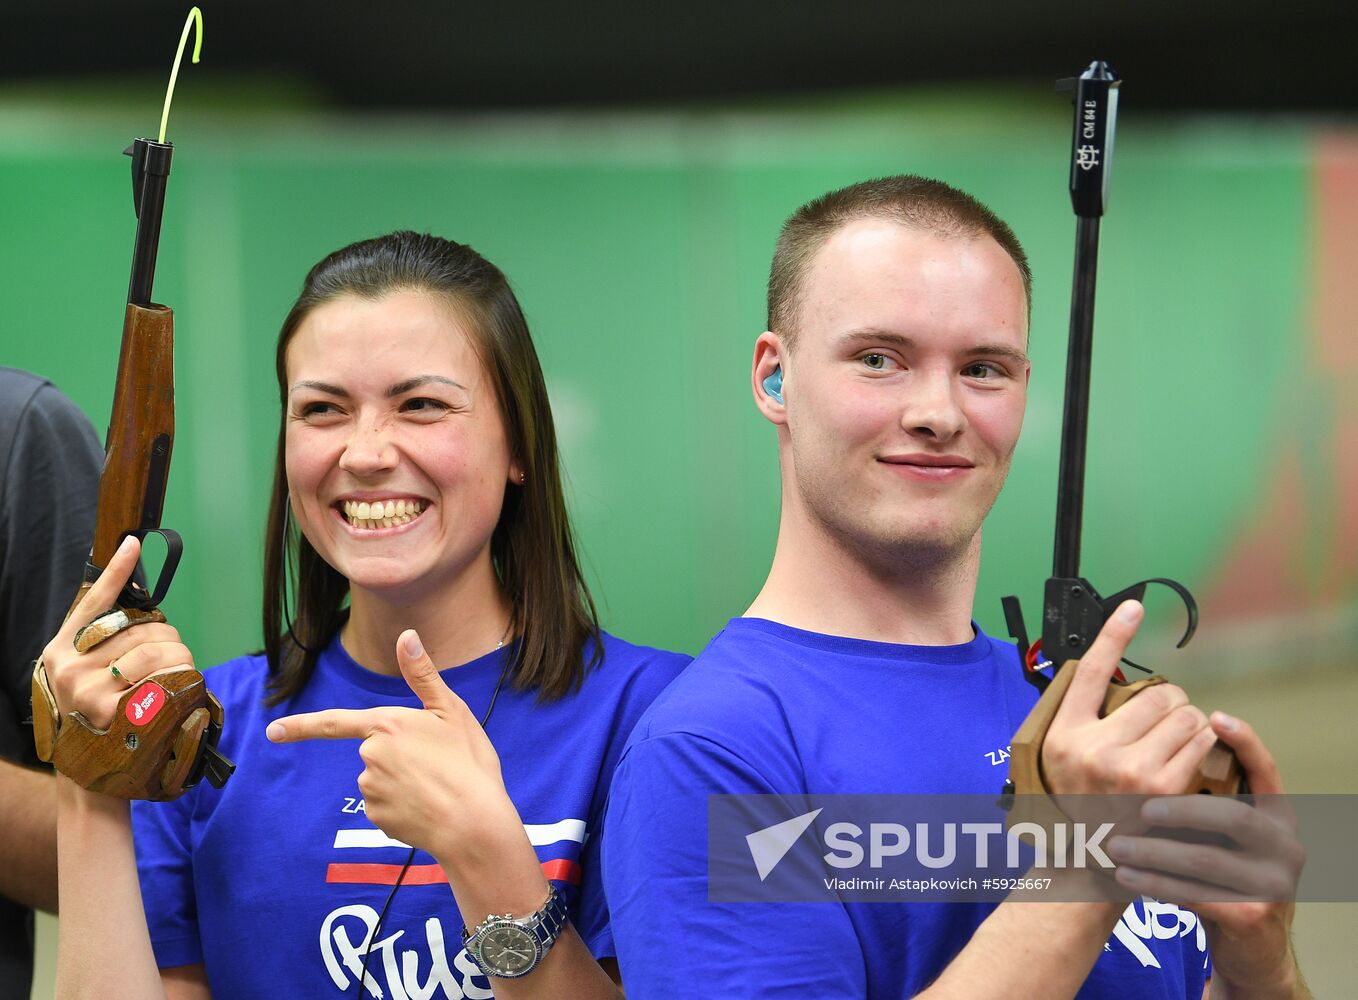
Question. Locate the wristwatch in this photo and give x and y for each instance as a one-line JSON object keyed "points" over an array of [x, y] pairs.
{"points": [[507, 947]]}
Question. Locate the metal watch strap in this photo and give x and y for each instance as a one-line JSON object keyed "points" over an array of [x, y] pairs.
{"points": [[551, 920], [545, 925]]}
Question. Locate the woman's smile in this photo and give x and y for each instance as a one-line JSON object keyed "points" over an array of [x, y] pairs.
{"points": [[379, 517]]}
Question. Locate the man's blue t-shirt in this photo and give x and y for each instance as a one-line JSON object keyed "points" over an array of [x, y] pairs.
{"points": [[277, 880], [768, 709]]}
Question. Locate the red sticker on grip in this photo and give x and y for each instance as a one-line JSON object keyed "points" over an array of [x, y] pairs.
{"points": [[145, 703]]}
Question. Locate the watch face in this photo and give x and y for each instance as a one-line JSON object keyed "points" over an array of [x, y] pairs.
{"points": [[509, 950]]}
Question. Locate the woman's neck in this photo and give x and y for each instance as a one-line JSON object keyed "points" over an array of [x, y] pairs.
{"points": [[460, 621]]}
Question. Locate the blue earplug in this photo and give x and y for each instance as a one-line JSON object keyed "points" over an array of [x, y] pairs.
{"points": [[773, 385]]}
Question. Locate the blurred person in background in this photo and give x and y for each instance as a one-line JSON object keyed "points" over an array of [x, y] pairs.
{"points": [[895, 370], [441, 618], [49, 485]]}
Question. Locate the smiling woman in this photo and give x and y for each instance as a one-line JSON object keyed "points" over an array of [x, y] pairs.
{"points": [[422, 595], [445, 332], [387, 402]]}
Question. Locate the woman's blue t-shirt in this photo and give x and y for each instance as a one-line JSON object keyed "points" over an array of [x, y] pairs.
{"points": [[275, 882]]}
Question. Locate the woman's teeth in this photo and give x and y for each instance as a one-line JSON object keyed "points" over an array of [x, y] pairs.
{"points": [[381, 513]]}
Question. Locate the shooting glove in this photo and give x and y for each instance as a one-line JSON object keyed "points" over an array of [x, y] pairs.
{"points": [[163, 737]]}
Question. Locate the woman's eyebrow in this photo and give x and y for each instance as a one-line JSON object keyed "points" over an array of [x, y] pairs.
{"points": [[400, 388], [325, 387]]}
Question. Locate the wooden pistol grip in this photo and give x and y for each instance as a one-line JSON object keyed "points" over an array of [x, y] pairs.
{"points": [[1219, 773], [150, 746], [1118, 695]]}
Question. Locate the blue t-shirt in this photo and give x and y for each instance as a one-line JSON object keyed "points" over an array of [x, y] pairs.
{"points": [[277, 880], [768, 709]]}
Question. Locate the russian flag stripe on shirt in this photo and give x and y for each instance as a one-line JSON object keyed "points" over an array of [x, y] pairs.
{"points": [[539, 835], [385, 874]]}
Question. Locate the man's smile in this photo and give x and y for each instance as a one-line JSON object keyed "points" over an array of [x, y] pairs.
{"points": [[928, 467]]}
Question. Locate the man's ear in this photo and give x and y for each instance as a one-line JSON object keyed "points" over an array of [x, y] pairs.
{"points": [[768, 377]]}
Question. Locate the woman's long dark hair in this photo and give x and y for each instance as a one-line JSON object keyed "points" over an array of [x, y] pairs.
{"points": [[532, 547]]}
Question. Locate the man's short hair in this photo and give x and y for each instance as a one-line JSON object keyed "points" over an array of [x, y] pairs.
{"points": [[917, 202]]}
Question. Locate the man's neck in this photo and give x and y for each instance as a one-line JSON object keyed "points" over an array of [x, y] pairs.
{"points": [[820, 584]]}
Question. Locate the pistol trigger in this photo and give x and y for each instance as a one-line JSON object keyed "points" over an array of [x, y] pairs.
{"points": [[1136, 666]]}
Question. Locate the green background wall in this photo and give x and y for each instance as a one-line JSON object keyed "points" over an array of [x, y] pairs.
{"points": [[639, 247]]}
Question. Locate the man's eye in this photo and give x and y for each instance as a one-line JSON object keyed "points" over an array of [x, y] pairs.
{"points": [[875, 361], [980, 369]]}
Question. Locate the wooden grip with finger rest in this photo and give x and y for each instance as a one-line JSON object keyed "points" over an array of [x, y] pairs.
{"points": [[1219, 773], [159, 743], [164, 732]]}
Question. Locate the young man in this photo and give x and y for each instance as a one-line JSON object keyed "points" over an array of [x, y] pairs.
{"points": [[896, 374]]}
